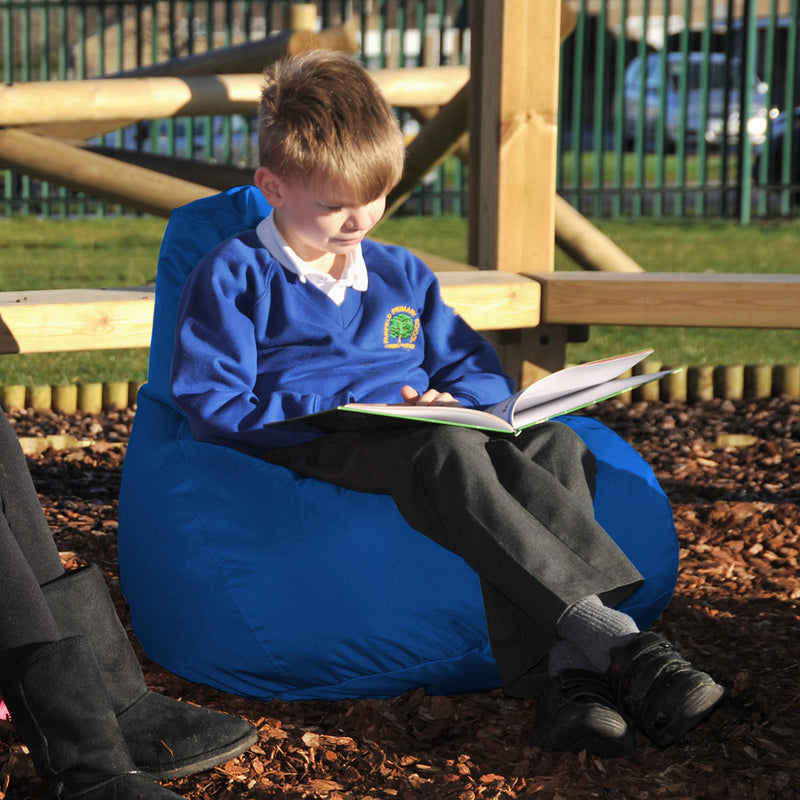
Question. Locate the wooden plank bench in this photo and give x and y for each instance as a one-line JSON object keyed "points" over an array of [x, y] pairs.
{"points": [[528, 317], [59, 320], [704, 300]]}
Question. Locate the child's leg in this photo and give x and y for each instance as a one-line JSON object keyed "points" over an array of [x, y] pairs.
{"points": [[25, 617], [41, 605], [28, 555], [22, 510], [520, 513], [527, 528]]}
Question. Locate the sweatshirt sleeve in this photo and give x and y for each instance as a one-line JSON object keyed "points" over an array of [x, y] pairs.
{"points": [[457, 358], [215, 364]]}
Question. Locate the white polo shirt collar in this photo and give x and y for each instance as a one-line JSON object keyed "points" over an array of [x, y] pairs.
{"points": [[354, 274]]}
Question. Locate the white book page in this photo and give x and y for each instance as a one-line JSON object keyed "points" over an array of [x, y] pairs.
{"points": [[584, 397], [565, 382], [457, 415]]}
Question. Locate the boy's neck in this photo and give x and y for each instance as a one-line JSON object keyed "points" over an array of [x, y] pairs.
{"points": [[332, 263]]}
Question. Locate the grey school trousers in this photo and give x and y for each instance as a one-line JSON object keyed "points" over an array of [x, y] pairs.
{"points": [[517, 509]]}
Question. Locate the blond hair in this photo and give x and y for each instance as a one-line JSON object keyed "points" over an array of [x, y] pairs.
{"points": [[323, 119]]}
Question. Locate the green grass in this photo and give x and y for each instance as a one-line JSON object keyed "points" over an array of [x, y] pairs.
{"points": [[645, 169], [40, 254]]}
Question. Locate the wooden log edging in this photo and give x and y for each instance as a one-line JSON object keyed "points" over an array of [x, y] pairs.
{"points": [[728, 382], [87, 398], [690, 384]]}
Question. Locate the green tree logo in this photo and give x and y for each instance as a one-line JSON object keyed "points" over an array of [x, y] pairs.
{"points": [[401, 326]]}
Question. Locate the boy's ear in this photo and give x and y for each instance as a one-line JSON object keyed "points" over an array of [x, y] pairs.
{"points": [[271, 186]]}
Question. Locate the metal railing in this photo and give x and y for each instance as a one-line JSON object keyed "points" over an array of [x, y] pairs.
{"points": [[650, 120], [682, 108], [74, 39]]}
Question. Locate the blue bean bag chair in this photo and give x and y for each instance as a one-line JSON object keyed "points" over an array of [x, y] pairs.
{"points": [[249, 578]]}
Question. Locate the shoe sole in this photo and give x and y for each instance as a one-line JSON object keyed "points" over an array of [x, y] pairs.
{"points": [[601, 745], [212, 759], [697, 706]]}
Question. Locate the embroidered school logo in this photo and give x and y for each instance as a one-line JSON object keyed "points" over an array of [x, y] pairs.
{"points": [[401, 328]]}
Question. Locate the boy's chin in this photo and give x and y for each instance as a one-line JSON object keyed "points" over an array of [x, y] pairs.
{"points": [[343, 246]]}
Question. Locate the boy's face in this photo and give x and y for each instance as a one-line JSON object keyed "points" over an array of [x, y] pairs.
{"points": [[318, 220]]}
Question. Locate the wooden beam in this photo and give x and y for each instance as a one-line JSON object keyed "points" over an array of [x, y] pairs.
{"points": [[439, 137], [586, 244], [215, 176], [101, 177], [513, 116], [492, 300], [700, 300], [103, 99], [253, 56]]}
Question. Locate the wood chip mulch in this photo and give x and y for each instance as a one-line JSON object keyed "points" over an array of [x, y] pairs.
{"points": [[732, 472]]}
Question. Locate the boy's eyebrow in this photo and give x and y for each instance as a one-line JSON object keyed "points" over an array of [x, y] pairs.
{"points": [[335, 200]]}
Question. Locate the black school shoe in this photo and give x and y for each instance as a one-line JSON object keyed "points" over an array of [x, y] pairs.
{"points": [[659, 689], [576, 712]]}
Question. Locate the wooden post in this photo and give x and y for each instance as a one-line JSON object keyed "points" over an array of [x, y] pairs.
{"points": [[515, 59], [700, 382], [513, 117], [90, 397], [65, 398], [786, 380], [574, 234], [302, 16]]}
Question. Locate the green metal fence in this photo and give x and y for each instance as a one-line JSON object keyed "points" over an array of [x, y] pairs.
{"points": [[650, 111], [684, 108], [69, 39]]}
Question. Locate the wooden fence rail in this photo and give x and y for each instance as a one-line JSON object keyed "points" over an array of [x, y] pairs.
{"points": [[531, 314]]}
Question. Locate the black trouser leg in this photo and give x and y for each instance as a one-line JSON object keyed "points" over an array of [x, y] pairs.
{"points": [[28, 555], [518, 510]]}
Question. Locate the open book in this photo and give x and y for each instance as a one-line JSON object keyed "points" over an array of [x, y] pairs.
{"points": [[561, 392]]}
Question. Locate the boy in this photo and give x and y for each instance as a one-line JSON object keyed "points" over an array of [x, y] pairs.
{"points": [[295, 316]]}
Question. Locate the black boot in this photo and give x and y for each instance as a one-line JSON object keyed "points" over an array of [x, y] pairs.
{"points": [[60, 708], [166, 738]]}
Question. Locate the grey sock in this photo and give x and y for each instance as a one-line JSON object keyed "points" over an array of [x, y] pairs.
{"points": [[566, 655], [596, 629]]}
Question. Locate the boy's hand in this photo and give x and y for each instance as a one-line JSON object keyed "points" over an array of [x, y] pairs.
{"points": [[430, 398]]}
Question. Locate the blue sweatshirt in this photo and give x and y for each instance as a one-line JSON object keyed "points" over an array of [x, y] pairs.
{"points": [[254, 345]]}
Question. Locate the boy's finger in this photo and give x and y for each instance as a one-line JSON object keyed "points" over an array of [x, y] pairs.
{"points": [[409, 394]]}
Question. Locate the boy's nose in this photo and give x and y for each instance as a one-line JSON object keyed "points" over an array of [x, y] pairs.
{"points": [[357, 221]]}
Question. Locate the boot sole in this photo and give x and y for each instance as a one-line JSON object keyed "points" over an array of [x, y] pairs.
{"points": [[600, 748], [610, 743], [699, 705], [212, 759]]}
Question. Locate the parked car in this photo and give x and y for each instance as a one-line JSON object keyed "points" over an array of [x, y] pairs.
{"points": [[643, 96], [786, 123]]}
